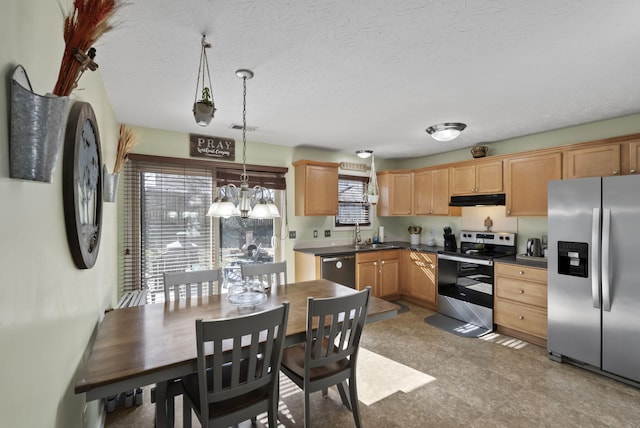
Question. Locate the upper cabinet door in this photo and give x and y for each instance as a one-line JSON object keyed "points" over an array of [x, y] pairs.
{"points": [[422, 192], [478, 177], [463, 180], [396, 193], [634, 157], [596, 161], [316, 188], [489, 177], [526, 180], [431, 192]]}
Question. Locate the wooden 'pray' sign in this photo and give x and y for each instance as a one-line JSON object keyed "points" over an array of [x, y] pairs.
{"points": [[204, 146]]}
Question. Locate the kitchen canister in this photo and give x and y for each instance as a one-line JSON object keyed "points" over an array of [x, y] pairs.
{"points": [[414, 238], [381, 234]]}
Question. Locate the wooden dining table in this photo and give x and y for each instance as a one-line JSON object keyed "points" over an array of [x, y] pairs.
{"points": [[154, 343]]}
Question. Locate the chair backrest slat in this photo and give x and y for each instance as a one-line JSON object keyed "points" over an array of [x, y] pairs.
{"points": [[179, 284], [269, 273]]}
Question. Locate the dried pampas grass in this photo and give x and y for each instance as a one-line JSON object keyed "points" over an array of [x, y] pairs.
{"points": [[83, 26], [126, 142]]}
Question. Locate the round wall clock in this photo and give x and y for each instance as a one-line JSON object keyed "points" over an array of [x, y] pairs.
{"points": [[82, 185]]}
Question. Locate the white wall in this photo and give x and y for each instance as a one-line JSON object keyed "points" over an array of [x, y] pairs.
{"points": [[48, 309]]}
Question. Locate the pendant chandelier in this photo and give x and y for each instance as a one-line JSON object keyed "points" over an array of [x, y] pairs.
{"points": [[244, 202], [203, 108]]}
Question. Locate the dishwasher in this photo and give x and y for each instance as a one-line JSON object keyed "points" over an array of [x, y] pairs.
{"points": [[340, 268]]}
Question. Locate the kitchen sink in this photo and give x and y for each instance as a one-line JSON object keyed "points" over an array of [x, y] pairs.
{"points": [[374, 246]]}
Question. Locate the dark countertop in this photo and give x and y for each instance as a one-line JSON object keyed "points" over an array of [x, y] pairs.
{"points": [[403, 245], [517, 261], [346, 249]]}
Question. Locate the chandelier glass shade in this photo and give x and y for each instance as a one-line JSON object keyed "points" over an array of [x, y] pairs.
{"points": [[244, 201]]}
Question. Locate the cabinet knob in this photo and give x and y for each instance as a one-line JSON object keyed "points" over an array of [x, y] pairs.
{"points": [[433, 266], [521, 273], [375, 263], [382, 262], [521, 291], [616, 172], [520, 317]]}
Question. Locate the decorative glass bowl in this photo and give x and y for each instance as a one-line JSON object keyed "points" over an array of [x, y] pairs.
{"points": [[247, 294]]}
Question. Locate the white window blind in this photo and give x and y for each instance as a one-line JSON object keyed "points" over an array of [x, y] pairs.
{"points": [[166, 229], [351, 205]]}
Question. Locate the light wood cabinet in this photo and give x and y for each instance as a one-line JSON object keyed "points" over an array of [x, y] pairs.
{"points": [[380, 270], [307, 266], [526, 180], [593, 161], [431, 192], [316, 188], [396, 190], [418, 277], [478, 177], [633, 154], [520, 304]]}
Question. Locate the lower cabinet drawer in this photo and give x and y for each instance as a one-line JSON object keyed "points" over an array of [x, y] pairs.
{"points": [[520, 317]]}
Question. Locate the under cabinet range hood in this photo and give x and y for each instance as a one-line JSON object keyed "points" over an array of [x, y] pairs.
{"points": [[475, 200]]}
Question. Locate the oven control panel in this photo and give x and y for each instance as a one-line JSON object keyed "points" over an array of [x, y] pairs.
{"points": [[495, 238]]}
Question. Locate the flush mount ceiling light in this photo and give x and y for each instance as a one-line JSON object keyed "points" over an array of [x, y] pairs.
{"points": [[203, 108], [254, 203], [446, 131], [364, 153]]}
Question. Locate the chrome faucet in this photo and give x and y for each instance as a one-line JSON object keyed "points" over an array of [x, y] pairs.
{"points": [[358, 238]]}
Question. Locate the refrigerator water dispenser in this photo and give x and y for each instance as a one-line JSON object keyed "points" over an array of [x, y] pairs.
{"points": [[572, 258]]}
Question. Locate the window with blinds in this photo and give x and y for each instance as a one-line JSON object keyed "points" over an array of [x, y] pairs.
{"points": [[351, 205], [166, 229], [165, 224]]}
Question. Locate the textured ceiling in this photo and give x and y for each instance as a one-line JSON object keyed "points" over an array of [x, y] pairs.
{"points": [[345, 75]]}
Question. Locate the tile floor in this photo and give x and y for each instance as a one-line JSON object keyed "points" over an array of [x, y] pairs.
{"points": [[498, 382]]}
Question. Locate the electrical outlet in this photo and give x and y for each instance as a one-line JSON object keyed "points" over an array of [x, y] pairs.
{"points": [[315, 233], [327, 233], [292, 234], [545, 240]]}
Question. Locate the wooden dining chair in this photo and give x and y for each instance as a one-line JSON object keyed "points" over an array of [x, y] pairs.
{"points": [[176, 285], [329, 355], [269, 273], [241, 380], [193, 283]]}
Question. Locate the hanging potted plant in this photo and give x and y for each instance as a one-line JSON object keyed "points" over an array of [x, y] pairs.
{"points": [[204, 109], [372, 188]]}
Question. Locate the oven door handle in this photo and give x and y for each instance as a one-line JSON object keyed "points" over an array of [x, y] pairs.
{"points": [[465, 260]]}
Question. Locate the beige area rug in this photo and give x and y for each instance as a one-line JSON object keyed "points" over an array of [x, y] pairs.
{"points": [[379, 377]]}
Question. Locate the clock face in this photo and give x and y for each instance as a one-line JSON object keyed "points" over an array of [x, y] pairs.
{"points": [[82, 185]]}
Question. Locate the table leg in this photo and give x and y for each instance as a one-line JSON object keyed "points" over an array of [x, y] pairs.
{"points": [[161, 405]]}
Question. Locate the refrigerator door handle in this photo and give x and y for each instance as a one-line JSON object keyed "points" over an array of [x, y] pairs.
{"points": [[606, 277], [595, 258]]}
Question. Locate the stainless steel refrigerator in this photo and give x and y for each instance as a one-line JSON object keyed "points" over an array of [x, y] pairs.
{"points": [[594, 274]]}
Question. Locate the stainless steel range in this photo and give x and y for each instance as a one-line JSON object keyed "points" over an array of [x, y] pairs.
{"points": [[465, 276]]}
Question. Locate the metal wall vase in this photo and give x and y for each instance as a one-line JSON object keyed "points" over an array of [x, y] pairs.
{"points": [[37, 128], [109, 185]]}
